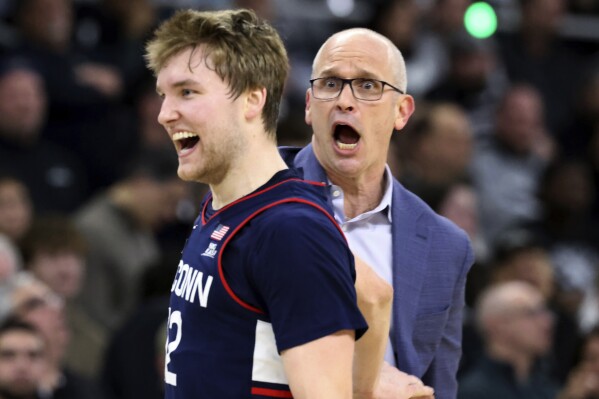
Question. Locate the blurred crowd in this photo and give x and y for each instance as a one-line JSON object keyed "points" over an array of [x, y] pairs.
{"points": [[504, 142]]}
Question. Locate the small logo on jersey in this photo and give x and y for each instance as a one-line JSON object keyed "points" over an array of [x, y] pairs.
{"points": [[211, 250], [219, 232]]}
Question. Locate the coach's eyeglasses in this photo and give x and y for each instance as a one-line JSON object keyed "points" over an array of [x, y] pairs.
{"points": [[361, 88]]}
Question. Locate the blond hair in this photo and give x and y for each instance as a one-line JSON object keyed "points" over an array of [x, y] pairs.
{"points": [[244, 51]]}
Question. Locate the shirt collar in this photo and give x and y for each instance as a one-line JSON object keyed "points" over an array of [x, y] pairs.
{"points": [[383, 207]]}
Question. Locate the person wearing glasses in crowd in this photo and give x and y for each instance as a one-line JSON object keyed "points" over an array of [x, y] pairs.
{"points": [[517, 330], [356, 100]]}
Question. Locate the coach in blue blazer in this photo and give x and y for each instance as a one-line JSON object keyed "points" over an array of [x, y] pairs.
{"points": [[429, 256]]}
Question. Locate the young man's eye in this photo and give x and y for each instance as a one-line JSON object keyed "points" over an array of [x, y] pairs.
{"points": [[186, 92]]}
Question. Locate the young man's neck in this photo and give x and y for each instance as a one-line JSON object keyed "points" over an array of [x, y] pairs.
{"points": [[253, 170]]}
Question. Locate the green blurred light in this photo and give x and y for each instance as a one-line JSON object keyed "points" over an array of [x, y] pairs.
{"points": [[480, 20]]}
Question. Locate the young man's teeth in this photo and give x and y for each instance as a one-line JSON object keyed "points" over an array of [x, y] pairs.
{"points": [[344, 146], [183, 135]]}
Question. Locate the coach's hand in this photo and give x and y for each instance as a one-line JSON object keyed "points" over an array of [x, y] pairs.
{"points": [[395, 384]]}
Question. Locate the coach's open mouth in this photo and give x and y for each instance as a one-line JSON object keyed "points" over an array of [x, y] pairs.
{"points": [[346, 137]]}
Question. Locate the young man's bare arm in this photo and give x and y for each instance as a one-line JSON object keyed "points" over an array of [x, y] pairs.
{"points": [[375, 297], [374, 378], [321, 368]]}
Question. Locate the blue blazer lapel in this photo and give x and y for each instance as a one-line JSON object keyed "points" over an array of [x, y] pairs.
{"points": [[410, 250], [308, 162]]}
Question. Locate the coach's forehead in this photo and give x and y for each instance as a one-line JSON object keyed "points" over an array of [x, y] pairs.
{"points": [[356, 49]]}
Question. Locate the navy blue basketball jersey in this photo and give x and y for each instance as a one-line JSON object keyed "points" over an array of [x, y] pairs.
{"points": [[263, 274]]}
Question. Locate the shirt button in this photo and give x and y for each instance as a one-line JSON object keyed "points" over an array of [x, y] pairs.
{"points": [[336, 193]]}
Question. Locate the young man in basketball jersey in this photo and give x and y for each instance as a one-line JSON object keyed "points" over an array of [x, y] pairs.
{"points": [[263, 303]]}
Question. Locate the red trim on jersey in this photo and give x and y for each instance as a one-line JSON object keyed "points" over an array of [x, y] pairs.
{"points": [[243, 223], [273, 393], [204, 221]]}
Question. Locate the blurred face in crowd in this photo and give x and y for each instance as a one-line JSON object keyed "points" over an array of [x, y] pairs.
{"points": [[48, 22], [15, 209], [399, 23], [525, 324], [351, 137], [460, 206], [470, 70], [62, 271], [22, 362], [543, 16], [449, 14], [532, 265], [22, 105], [520, 119], [36, 304], [449, 146]]}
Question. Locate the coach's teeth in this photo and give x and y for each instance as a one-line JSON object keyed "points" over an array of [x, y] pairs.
{"points": [[345, 146], [183, 135]]}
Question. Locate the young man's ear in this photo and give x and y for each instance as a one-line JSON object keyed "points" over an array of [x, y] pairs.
{"points": [[254, 103]]}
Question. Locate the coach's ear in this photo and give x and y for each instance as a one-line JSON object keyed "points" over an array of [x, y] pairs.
{"points": [[404, 109], [308, 117], [254, 103]]}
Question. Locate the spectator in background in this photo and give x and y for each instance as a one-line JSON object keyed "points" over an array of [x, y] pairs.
{"points": [[459, 203], [54, 251], [115, 31], [436, 151], [53, 176], [46, 28], [446, 17], [517, 331], [16, 211], [22, 360], [521, 256], [34, 302], [535, 54], [84, 93], [401, 22], [120, 227], [569, 232], [475, 80], [506, 169]]}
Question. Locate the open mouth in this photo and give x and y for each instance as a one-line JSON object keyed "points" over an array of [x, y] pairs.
{"points": [[186, 140], [346, 137]]}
